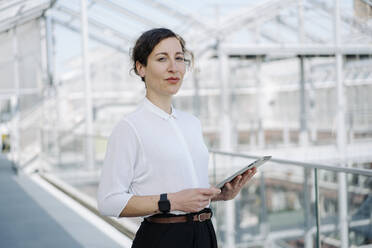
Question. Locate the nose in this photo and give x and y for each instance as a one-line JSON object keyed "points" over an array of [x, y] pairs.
{"points": [[172, 67]]}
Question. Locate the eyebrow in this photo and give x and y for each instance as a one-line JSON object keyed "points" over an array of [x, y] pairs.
{"points": [[164, 53]]}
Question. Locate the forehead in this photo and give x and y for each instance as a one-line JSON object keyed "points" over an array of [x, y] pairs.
{"points": [[168, 45]]}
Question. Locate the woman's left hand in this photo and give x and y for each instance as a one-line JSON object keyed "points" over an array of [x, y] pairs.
{"points": [[232, 188]]}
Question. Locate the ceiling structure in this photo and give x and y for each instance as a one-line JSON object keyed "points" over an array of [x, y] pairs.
{"points": [[116, 23]]}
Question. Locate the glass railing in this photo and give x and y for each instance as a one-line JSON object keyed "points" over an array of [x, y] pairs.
{"points": [[286, 204], [294, 204]]}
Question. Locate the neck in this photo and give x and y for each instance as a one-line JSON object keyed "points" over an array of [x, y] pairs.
{"points": [[162, 102]]}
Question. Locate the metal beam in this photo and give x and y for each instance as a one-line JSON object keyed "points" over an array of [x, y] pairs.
{"points": [[361, 27], [179, 13], [126, 12], [94, 23], [248, 17], [24, 17], [244, 18], [11, 4], [304, 49], [92, 36], [295, 29]]}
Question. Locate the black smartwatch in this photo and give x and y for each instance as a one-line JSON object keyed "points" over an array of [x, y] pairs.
{"points": [[164, 204]]}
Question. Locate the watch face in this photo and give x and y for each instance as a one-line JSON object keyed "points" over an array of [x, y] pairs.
{"points": [[164, 206]]}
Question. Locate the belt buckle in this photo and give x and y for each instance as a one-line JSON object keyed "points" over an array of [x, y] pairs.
{"points": [[202, 219]]}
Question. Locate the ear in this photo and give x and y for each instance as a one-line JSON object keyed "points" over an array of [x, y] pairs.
{"points": [[141, 69]]}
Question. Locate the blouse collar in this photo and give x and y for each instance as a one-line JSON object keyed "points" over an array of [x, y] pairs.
{"points": [[158, 111]]}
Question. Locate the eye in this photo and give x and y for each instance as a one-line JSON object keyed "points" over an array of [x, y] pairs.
{"points": [[161, 59], [180, 59]]}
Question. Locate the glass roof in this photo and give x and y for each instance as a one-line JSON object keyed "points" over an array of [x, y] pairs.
{"points": [[234, 21], [15, 12], [117, 23]]}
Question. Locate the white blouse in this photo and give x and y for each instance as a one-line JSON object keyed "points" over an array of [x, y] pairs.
{"points": [[151, 152]]}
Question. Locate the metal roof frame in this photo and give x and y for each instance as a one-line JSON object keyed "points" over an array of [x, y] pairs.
{"points": [[25, 11], [203, 34]]}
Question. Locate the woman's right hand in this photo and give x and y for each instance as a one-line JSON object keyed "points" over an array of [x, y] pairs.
{"points": [[192, 200]]}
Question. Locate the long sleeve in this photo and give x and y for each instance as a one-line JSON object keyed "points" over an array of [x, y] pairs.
{"points": [[151, 152], [118, 170]]}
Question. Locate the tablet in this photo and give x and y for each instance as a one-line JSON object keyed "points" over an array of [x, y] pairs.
{"points": [[256, 164]]}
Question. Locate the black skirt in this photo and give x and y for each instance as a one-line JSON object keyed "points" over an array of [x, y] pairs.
{"points": [[191, 234]]}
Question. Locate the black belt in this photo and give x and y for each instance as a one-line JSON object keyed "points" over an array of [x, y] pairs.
{"points": [[205, 214]]}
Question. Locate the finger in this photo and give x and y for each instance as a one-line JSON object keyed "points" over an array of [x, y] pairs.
{"points": [[246, 173], [253, 171], [250, 174], [244, 180], [228, 186], [250, 171], [248, 177], [215, 190], [210, 191], [236, 180]]}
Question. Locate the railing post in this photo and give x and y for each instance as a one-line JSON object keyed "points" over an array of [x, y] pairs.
{"points": [[317, 214], [307, 213], [263, 222]]}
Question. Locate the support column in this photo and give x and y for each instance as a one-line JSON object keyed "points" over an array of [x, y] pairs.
{"points": [[303, 115], [286, 130], [341, 132], [14, 101], [196, 100], [44, 125], [53, 84], [226, 137], [259, 104], [303, 136], [89, 161], [312, 107], [258, 123]]}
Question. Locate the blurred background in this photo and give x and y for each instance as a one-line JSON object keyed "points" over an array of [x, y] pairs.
{"points": [[287, 78]]}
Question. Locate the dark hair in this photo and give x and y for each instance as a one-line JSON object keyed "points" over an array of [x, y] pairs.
{"points": [[148, 40]]}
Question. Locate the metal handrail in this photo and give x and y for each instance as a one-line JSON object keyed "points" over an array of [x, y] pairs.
{"points": [[364, 172]]}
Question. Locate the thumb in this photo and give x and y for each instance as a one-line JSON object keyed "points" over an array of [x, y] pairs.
{"points": [[215, 190]]}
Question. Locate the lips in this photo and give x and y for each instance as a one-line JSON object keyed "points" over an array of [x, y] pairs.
{"points": [[173, 80]]}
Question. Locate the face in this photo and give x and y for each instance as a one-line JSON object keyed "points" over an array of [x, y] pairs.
{"points": [[165, 68]]}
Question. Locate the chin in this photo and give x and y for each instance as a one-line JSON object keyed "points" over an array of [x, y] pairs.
{"points": [[173, 91]]}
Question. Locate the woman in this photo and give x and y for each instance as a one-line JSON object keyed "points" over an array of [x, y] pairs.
{"points": [[156, 163]]}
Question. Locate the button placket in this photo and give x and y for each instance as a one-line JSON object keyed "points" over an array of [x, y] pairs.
{"points": [[186, 148]]}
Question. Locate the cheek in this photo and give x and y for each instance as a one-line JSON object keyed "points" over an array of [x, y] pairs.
{"points": [[155, 75], [182, 70]]}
